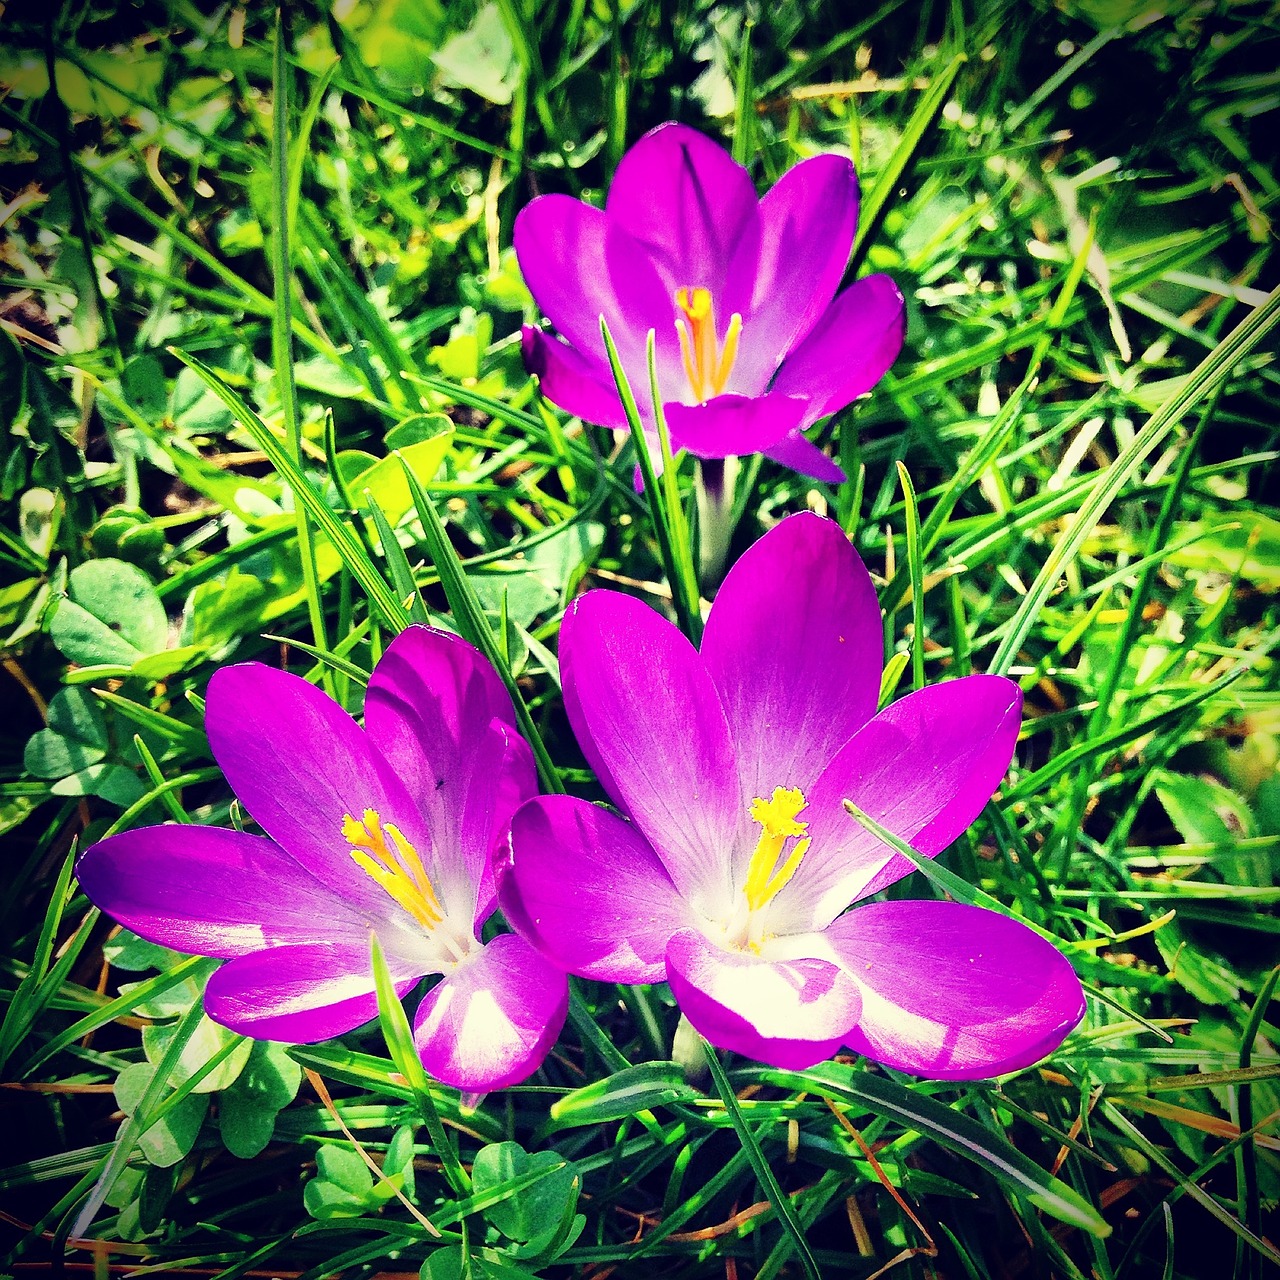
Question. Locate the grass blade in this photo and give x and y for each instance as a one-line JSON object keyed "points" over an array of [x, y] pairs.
{"points": [[140, 1121], [399, 1038], [472, 624], [344, 541], [1212, 371], [768, 1182], [915, 567], [397, 563], [875, 201], [952, 1129], [1188, 1186]]}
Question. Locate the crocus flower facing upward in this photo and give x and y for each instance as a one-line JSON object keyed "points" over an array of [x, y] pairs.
{"points": [[752, 342], [732, 864], [387, 830]]}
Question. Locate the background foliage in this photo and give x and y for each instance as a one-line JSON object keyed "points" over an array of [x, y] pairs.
{"points": [[242, 274]]}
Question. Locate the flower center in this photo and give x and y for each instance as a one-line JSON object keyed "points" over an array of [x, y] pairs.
{"points": [[397, 866], [707, 364]]}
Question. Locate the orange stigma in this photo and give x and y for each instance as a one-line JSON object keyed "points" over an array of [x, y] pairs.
{"points": [[707, 364]]}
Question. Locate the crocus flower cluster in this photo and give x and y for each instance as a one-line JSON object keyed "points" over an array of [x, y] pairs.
{"points": [[729, 867], [730, 863], [387, 830], [752, 342]]}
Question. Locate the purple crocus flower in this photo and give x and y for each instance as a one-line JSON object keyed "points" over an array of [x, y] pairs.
{"points": [[753, 344], [387, 830], [730, 873]]}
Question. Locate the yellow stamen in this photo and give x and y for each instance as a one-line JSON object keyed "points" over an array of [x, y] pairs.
{"points": [[778, 818], [707, 365], [399, 870], [728, 353]]}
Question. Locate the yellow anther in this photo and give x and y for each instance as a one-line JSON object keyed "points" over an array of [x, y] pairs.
{"points": [[398, 869], [707, 365], [778, 818]]}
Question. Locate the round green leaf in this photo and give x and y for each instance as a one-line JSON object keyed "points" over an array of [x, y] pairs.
{"points": [[207, 1040], [75, 738], [50, 755], [75, 713], [112, 782], [524, 1215], [247, 1109], [171, 1137], [112, 614]]}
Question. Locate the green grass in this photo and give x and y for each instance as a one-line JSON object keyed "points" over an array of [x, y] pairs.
{"points": [[283, 413]]}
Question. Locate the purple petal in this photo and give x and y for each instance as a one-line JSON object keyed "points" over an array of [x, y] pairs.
{"points": [[212, 892], [492, 1021], [790, 1014], [688, 202], [852, 345], [300, 764], [579, 266], [439, 715], [781, 290], [727, 426], [794, 645], [642, 697], [299, 994], [802, 455], [954, 992], [923, 768], [578, 384], [587, 890]]}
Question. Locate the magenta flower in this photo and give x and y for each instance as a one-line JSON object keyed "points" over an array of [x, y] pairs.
{"points": [[387, 830], [753, 345], [731, 871]]}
